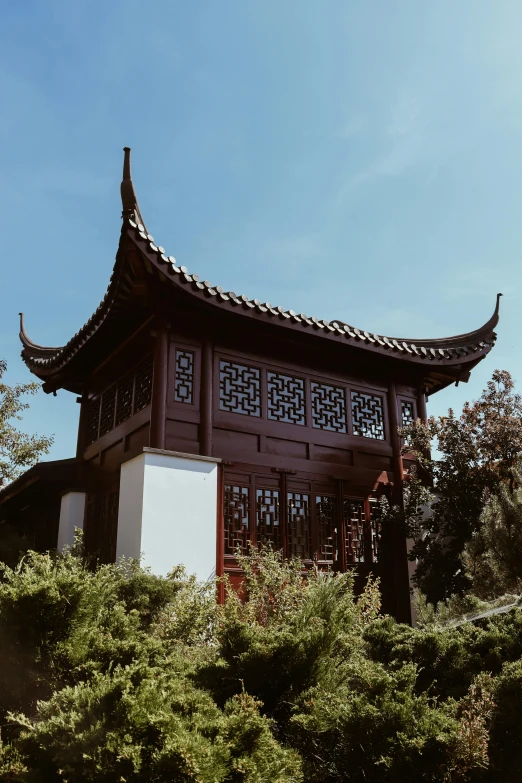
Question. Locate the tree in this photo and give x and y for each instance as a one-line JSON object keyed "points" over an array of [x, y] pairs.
{"points": [[478, 453], [18, 451], [493, 556]]}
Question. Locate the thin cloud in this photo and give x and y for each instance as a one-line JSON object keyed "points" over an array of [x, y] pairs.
{"points": [[404, 137], [352, 128]]}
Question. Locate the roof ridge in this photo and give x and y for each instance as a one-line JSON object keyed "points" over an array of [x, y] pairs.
{"points": [[434, 348], [437, 351]]}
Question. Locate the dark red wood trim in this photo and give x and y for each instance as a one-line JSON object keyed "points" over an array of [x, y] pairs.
{"points": [[159, 389], [206, 398], [220, 533]]}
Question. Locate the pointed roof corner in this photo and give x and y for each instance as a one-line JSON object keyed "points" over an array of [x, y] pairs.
{"points": [[24, 337], [446, 359], [489, 326], [129, 202], [497, 310], [33, 350]]}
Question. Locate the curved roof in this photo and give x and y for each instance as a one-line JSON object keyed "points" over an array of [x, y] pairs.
{"points": [[463, 350]]}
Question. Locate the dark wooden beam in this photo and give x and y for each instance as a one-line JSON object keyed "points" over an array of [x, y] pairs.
{"points": [[395, 443], [158, 414], [220, 535], [421, 404], [82, 428], [207, 358]]}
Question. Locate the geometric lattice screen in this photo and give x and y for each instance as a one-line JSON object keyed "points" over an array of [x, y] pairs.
{"points": [[143, 385], [407, 413], [375, 528], [326, 513], [268, 526], [236, 518], [354, 518], [299, 527], [184, 384], [286, 398], [131, 394], [367, 415], [239, 388], [328, 407]]}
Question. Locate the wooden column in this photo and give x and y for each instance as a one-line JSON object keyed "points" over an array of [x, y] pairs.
{"points": [[220, 534], [395, 442], [205, 437], [396, 540], [421, 403], [158, 415], [283, 512], [341, 528], [82, 427]]}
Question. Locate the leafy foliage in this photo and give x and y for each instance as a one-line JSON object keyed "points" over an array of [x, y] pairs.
{"points": [[493, 556], [18, 451], [478, 454], [113, 674]]}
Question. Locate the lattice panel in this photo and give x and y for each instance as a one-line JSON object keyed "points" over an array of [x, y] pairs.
{"points": [[108, 408], [326, 511], [124, 398], [143, 385], [299, 533], [236, 517], [184, 384], [239, 388], [268, 518], [367, 415], [407, 413], [286, 398], [328, 407], [93, 419], [354, 518], [375, 529]]}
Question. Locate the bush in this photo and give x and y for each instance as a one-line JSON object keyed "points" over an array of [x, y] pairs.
{"points": [[112, 674]]}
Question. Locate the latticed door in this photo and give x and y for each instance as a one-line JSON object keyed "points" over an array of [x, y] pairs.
{"points": [[326, 512], [236, 515], [354, 519], [312, 521], [268, 518], [299, 525]]}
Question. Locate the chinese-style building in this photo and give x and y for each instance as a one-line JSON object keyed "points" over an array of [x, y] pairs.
{"points": [[210, 420]]}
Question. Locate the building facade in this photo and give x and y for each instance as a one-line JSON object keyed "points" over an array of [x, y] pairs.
{"points": [[291, 421]]}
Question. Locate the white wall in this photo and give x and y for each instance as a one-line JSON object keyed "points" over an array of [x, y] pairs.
{"points": [[72, 511], [168, 511]]}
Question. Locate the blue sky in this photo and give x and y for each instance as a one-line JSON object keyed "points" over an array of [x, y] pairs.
{"points": [[360, 161]]}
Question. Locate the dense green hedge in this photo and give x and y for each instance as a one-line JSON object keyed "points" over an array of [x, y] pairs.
{"points": [[112, 675]]}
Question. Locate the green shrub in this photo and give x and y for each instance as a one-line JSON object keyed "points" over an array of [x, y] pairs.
{"points": [[110, 674]]}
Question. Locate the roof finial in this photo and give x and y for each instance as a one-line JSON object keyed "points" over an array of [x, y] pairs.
{"points": [[497, 308], [129, 202]]}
